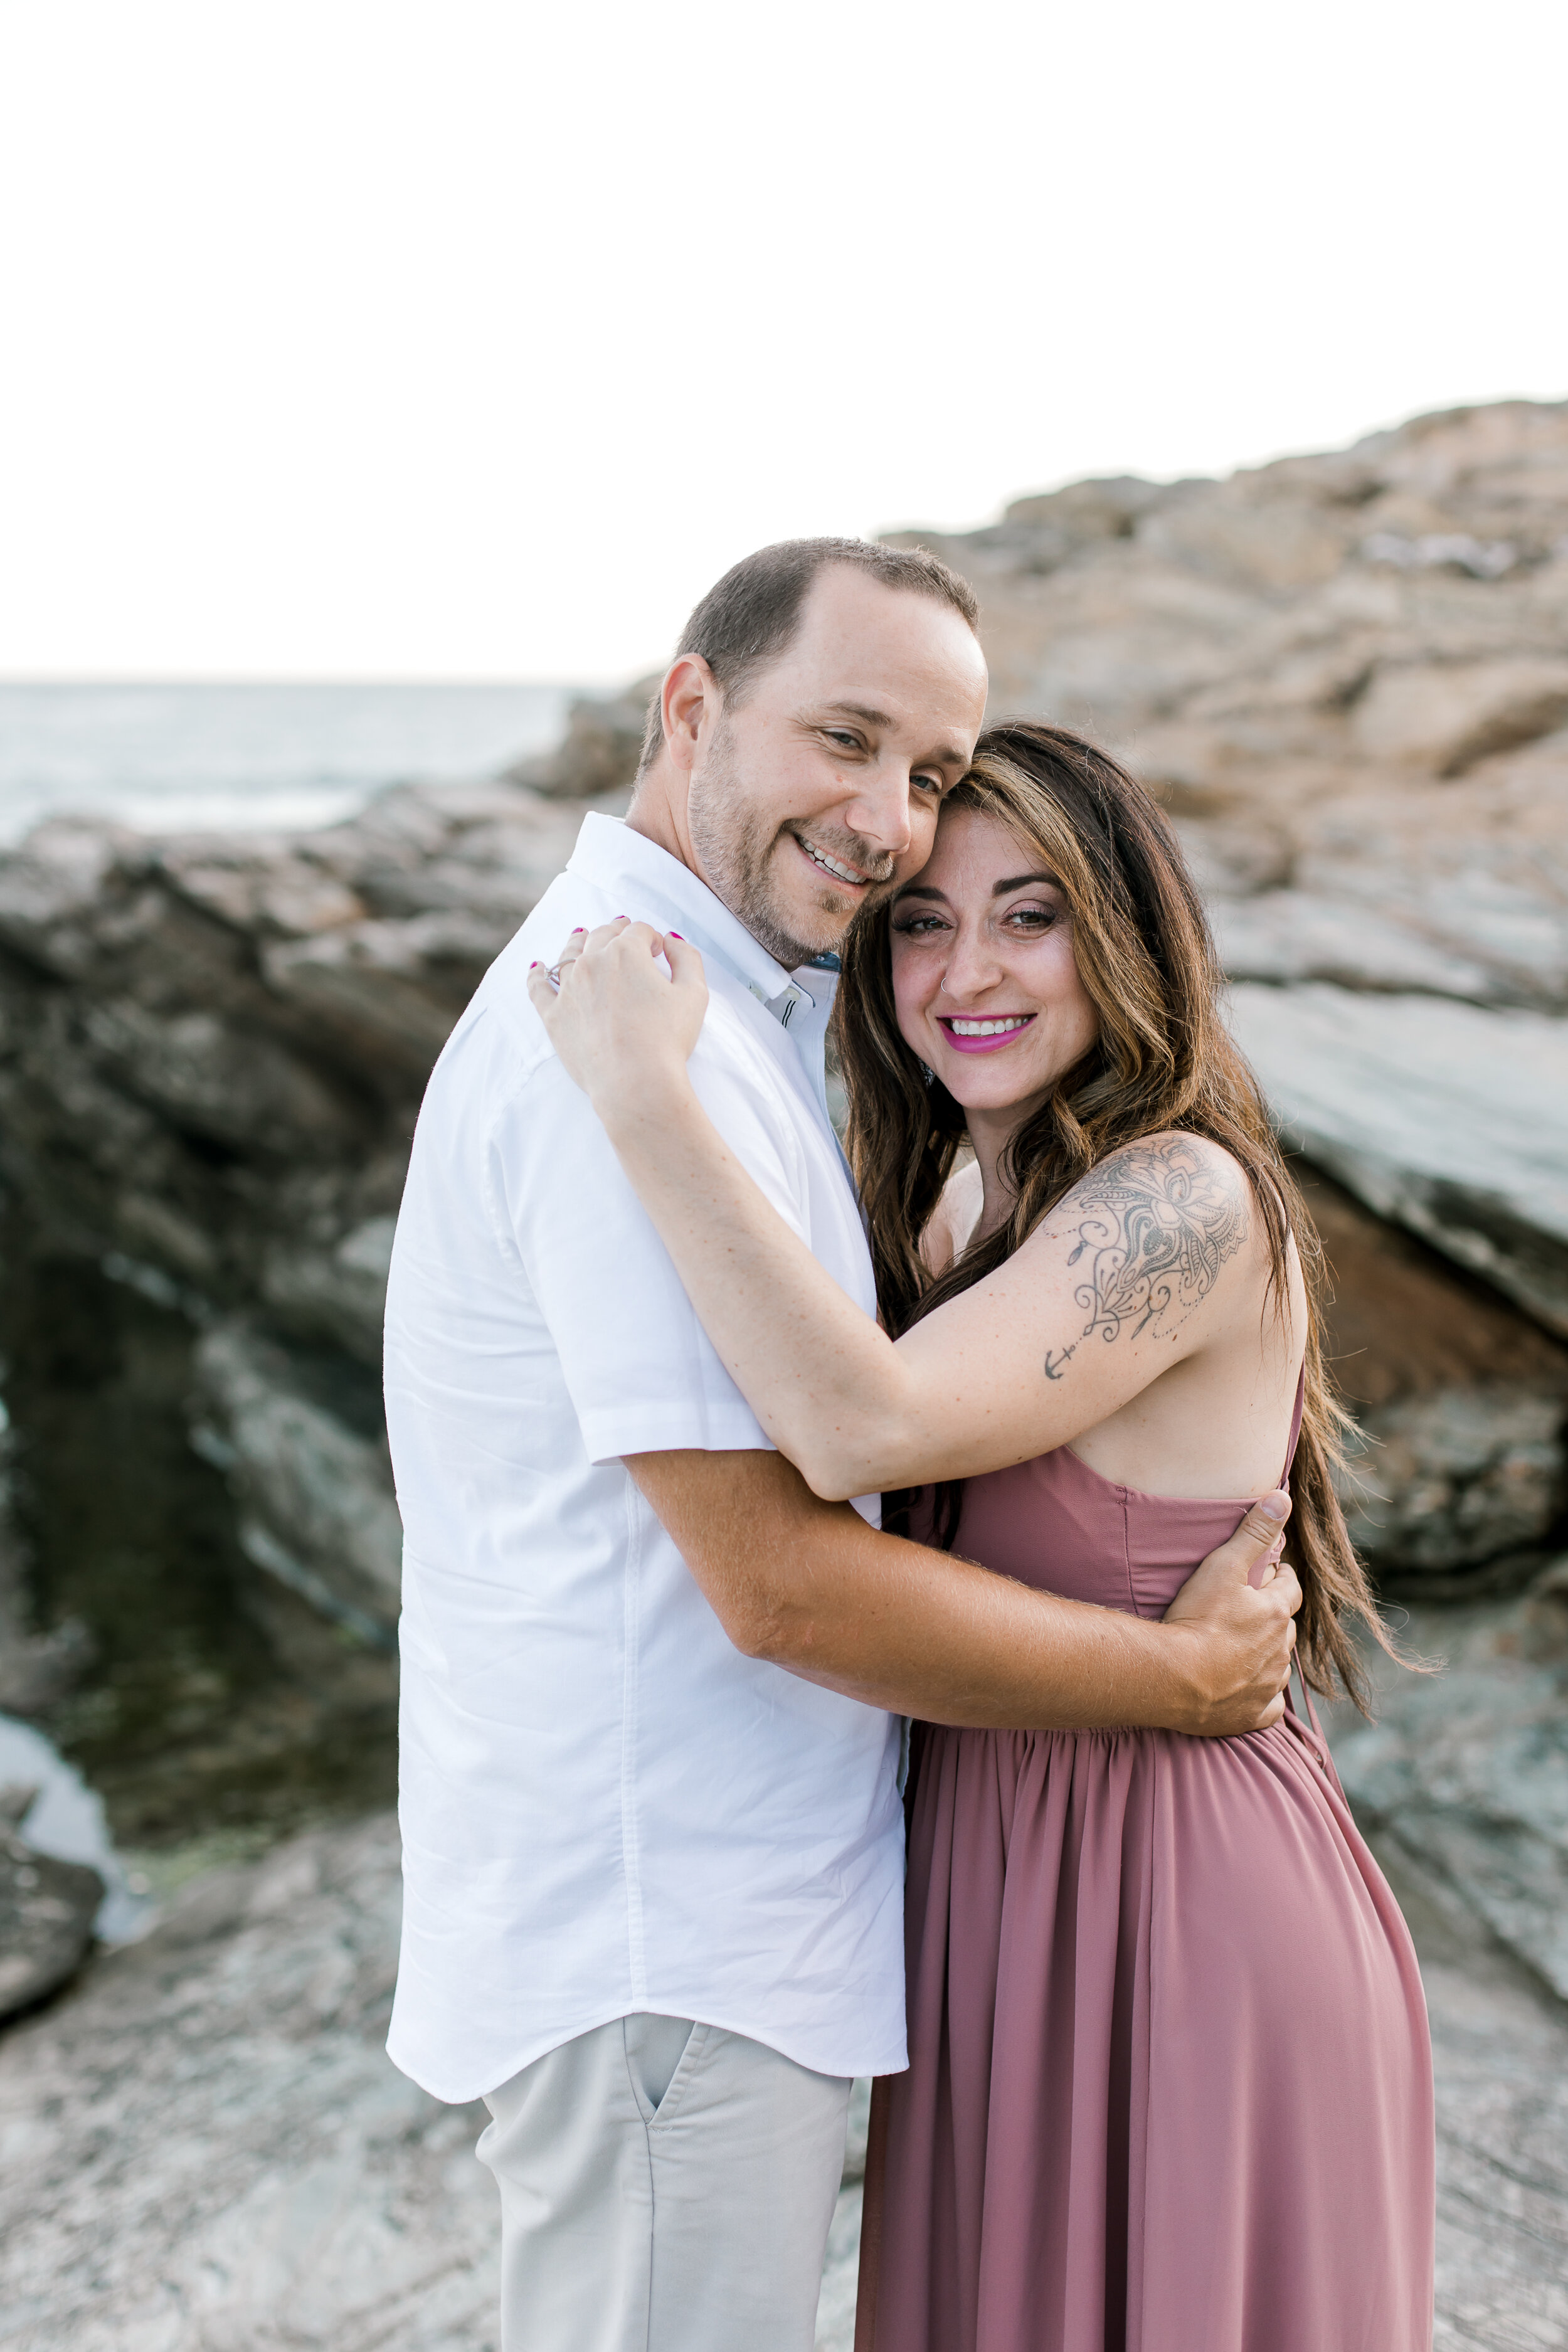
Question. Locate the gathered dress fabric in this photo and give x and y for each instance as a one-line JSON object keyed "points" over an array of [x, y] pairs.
{"points": [[1170, 2081]]}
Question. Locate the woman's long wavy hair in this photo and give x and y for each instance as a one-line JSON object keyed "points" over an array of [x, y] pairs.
{"points": [[1164, 1059]]}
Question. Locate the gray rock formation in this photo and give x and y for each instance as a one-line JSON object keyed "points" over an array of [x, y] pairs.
{"points": [[1345, 674], [47, 1910], [311, 2195], [599, 751], [211, 1051], [1457, 1475], [305, 2193], [1466, 1770], [1470, 1474], [1451, 1118], [311, 1489]]}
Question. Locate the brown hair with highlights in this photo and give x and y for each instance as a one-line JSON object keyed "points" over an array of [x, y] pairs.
{"points": [[1164, 1059]]}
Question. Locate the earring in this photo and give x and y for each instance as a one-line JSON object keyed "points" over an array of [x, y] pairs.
{"points": [[927, 1074]]}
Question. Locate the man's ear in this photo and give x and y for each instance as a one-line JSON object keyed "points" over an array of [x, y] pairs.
{"points": [[689, 704]]}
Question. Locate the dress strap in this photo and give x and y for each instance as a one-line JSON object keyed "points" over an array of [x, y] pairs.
{"points": [[1303, 1721], [1294, 1423]]}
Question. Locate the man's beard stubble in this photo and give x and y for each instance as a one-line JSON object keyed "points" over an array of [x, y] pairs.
{"points": [[737, 848]]}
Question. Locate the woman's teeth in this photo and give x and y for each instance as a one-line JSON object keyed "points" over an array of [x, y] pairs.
{"points": [[988, 1028]]}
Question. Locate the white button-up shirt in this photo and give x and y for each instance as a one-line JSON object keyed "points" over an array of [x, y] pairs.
{"points": [[606, 1807]]}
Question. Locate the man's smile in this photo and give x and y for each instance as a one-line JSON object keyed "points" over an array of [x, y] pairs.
{"points": [[850, 877]]}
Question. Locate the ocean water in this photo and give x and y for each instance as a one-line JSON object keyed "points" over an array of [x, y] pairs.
{"points": [[167, 757]]}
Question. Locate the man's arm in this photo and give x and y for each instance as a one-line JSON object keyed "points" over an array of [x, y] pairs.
{"points": [[807, 1585]]}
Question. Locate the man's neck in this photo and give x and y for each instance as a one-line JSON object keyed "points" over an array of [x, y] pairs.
{"points": [[658, 813], [654, 814]]}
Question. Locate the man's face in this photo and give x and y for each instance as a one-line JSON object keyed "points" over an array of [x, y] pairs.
{"points": [[819, 790]]}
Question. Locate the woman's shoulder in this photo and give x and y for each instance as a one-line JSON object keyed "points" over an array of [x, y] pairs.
{"points": [[1175, 1166], [1171, 1210]]}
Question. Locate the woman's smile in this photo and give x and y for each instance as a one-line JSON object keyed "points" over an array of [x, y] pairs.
{"points": [[988, 1036]]}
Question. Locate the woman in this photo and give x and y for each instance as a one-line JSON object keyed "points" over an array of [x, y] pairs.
{"points": [[1170, 2081]]}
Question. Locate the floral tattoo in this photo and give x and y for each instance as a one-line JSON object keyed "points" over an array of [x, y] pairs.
{"points": [[1154, 1223]]}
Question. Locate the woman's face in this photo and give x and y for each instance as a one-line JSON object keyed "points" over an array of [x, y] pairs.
{"points": [[984, 978]]}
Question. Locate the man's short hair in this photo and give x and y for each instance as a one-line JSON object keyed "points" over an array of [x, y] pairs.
{"points": [[748, 618]]}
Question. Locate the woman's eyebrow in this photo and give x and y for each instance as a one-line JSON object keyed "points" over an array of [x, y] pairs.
{"points": [[920, 890], [1022, 882]]}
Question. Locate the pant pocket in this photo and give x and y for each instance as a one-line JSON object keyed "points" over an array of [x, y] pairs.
{"points": [[655, 2048]]}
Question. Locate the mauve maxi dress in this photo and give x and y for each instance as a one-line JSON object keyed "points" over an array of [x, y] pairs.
{"points": [[1170, 2083]]}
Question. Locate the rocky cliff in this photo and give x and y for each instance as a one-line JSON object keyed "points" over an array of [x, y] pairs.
{"points": [[1348, 677]]}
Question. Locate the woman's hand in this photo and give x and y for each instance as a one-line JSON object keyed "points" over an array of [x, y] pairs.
{"points": [[623, 1031]]}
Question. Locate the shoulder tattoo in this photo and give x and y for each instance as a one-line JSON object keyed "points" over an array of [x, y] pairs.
{"points": [[1151, 1227]]}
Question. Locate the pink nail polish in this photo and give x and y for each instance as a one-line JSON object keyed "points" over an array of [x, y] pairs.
{"points": [[679, 935], [578, 932]]}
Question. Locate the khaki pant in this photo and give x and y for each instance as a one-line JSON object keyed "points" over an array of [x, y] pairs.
{"points": [[665, 2187]]}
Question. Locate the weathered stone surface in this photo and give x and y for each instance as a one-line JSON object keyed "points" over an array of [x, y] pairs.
{"points": [[1500, 2052], [1445, 1481], [1451, 1118], [1346, 676], [47, 1911], [308, 2195], [337, 1289], [1345, 673], [1460, 1403], [207, 2147], [211, 1056], [54, 1812], [1403, 1321], [1443, 719], [1468, 1769], [599, 751], [311, 1488]]}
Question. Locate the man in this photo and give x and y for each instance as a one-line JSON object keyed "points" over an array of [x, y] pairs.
{"points": [[654, 1877]]}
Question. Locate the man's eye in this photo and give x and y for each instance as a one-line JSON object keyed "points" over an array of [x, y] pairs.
{"points": [[937, 784], [841, 736]]}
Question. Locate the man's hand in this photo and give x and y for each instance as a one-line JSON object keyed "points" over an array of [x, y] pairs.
{"points": [[1239, 1612]]}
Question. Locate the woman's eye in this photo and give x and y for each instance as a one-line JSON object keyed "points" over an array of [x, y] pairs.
{"points": [[1033, 919], [918, 927]]}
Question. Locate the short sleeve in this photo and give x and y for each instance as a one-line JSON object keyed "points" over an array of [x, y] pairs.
{"points": [[641, 1373]]}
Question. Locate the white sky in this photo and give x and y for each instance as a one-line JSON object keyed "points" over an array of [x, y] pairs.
{"points": [[362, 338]]}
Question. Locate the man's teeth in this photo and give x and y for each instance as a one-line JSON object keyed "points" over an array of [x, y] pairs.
{"points": [[839, 873], [987, 1028]]}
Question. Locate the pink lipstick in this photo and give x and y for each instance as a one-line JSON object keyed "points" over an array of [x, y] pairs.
{"points": [[987, 1033]]}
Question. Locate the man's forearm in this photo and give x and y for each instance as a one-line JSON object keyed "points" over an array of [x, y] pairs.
{"points": [[970, 1647], [807, 1585]]}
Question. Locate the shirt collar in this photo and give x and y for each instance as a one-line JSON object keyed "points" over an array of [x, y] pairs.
{"points": [[658, 888]]}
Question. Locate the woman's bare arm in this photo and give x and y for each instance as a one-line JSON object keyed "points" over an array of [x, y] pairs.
{"points": [[1148, 1259]]}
